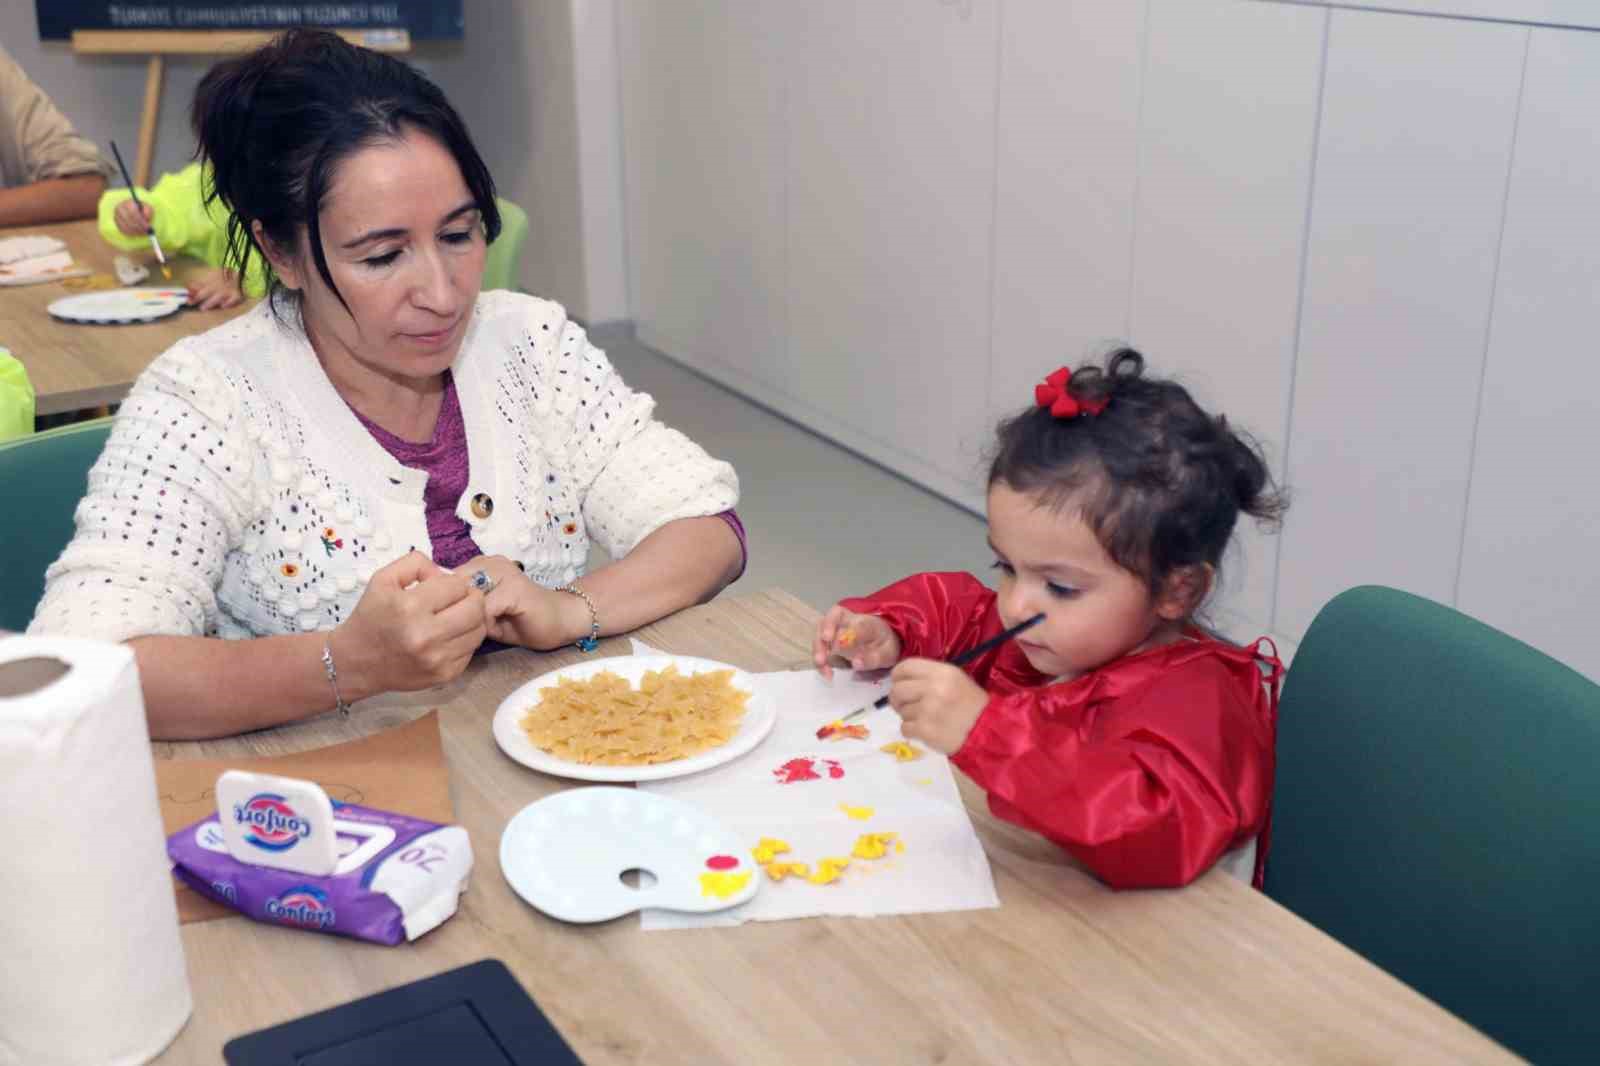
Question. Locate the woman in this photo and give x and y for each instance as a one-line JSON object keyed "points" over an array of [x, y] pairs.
{"points": [[378, 467]]}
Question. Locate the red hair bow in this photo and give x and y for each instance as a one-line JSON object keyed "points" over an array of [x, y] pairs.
{"points": [[1056, 394]]}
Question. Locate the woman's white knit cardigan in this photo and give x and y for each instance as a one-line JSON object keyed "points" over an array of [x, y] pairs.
{"points": [[239, 496]]}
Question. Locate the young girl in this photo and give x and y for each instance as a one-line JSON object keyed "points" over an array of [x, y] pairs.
{"points": [[177, 212], [1116, 727]]}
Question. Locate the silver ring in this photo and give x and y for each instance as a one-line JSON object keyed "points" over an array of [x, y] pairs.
{"points": [[482, 581]]}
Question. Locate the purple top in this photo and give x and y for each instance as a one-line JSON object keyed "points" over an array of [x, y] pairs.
{"points": [[444, 459]]}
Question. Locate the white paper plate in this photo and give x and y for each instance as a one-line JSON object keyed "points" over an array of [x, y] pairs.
{"points": [[760, 714], [566, 854], [119, 305]]}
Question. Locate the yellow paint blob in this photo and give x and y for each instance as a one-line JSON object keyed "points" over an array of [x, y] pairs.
{"points": [[902, 751], [779, 870], [722, 885], [872, 845], [767, 849], [860, 814], [828, 871]]}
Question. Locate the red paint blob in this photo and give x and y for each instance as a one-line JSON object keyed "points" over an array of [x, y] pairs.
{"points": [[795, 770], [804, 769], [722, 862]]}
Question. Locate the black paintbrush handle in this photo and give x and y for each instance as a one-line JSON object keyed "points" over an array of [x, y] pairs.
{"points": [[960, 660]]}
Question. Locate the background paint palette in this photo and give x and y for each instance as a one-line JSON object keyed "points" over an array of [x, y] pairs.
{"points": [[565, 854], [759, 716], [119, 306]]}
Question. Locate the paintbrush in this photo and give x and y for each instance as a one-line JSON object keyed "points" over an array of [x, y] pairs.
{"points": [[166, 271], [960, 660]]}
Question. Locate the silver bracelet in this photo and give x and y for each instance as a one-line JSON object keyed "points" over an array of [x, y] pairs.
{"points": [[592, 641], [333, 678]]}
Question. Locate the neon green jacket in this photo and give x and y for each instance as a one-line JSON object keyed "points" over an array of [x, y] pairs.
{"points": [[184, 224]]}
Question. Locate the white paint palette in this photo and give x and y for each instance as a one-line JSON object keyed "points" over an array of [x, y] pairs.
{"points": [[119, 306], [567, 853]]}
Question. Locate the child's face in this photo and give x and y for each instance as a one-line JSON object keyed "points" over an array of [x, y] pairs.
{"points": [[1051, 562]]}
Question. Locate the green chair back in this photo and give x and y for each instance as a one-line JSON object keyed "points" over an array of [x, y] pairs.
{"points": [[42, 478], [502, 268], [1437, 809]]}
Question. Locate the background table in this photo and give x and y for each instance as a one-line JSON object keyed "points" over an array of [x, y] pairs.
{"points": [[76, 366], [1064, 971]]}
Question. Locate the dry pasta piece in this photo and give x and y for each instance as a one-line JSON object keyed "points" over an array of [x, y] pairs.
{"points": [[606, 721], [768, 848]]}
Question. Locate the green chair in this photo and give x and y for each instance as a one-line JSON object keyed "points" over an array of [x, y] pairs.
{"points": [[502, 267], [1438, 810], [42, 478]]}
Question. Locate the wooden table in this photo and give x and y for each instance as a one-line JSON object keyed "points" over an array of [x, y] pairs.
{"points": [[73, 367], [1065, 971]]}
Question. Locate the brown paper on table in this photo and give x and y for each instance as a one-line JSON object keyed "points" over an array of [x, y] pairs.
{"points": [[400, 770]]}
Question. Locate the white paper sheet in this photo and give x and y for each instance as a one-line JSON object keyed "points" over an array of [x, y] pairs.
{"points": [[943, 867]]}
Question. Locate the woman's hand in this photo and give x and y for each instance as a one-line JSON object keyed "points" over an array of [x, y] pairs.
{"points": [[414, 627], [938, 703], [518, 611], [133, 220], [210, 290], [865, 641]]}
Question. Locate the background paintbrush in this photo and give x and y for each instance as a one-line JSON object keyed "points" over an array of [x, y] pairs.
{"points": [[166, 271], [960, 660]]}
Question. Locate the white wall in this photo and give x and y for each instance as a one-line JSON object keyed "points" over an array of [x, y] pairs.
{"points": [[526, 76], [1365, 235]]}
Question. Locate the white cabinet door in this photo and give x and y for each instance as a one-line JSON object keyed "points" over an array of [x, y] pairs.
{"points": [[1529, 564], [1412, 159], [1067, 171], [1225, 152], [890, 157], [703, 109]]}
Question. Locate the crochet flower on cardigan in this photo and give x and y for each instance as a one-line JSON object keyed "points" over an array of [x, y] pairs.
{"points": [[239, 496]]}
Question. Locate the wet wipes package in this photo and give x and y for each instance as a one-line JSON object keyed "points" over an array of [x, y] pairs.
{"points": [[279, 851]]}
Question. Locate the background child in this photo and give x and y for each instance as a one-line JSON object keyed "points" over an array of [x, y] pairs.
{"points": [[184, 224], [1117, 727]]}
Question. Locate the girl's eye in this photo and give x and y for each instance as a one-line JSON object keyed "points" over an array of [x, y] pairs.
{"points": [[1004, 567], [464, 237], [378, 261], [1061, 592]]}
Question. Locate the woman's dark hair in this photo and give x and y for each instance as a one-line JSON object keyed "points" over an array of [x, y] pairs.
{"points": [[274, 124], [1160, 482]]}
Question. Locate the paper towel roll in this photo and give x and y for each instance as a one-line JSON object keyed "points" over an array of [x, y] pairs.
{"points": [[91, 966]]}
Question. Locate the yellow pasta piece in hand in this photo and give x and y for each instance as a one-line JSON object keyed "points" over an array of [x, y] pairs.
{"points": [[767, 849], [872, 845]]}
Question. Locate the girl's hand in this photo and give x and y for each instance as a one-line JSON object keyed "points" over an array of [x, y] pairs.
{"points": [[938, 703], [213, 289], [133, 220], [414, 627], [518, 611], [865, 641]]}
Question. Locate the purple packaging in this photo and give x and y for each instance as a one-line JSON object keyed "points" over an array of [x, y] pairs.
{"points": [[397, 877]]}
